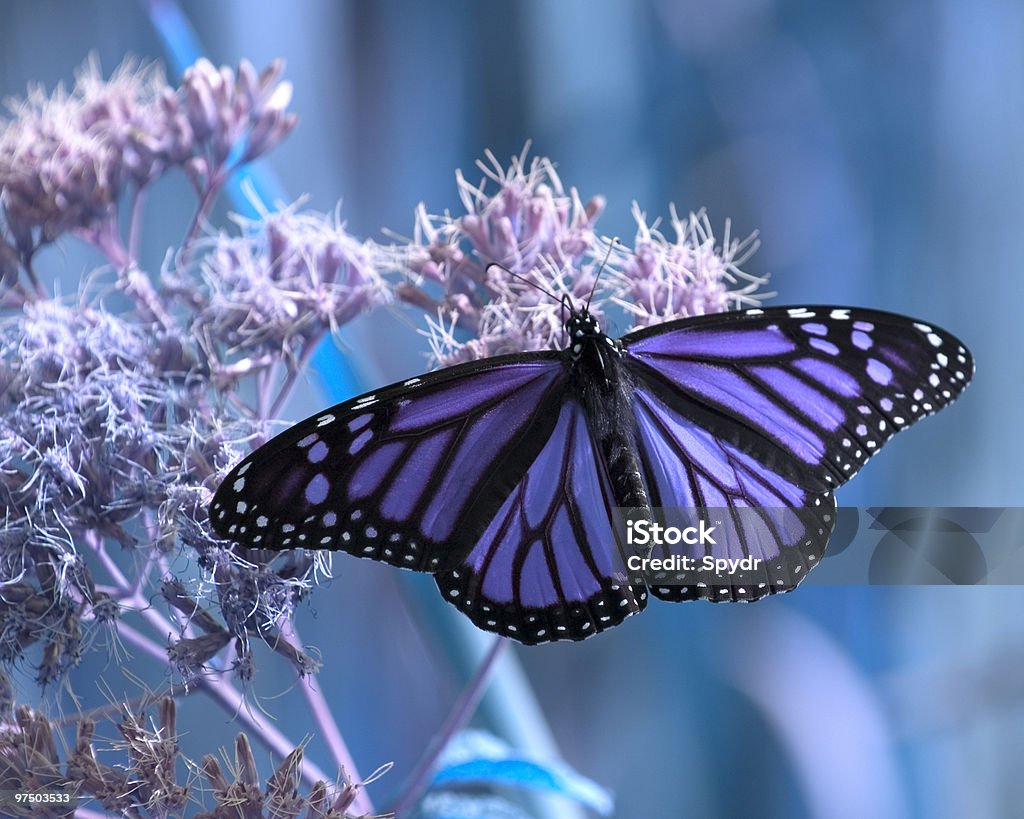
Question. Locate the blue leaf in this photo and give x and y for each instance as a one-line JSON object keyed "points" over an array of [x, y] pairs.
{"points": [[447, 805], [476, 757]]}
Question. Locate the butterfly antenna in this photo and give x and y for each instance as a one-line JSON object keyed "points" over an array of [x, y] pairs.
{"points": [[522, 279], [600, 270]]}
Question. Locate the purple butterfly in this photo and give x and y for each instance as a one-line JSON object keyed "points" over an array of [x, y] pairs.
{"points": [[504, 477]]}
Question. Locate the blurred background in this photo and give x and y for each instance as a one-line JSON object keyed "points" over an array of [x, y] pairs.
{"points": [[879, 150]]}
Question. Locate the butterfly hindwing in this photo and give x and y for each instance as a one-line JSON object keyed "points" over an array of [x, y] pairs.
{"points": [[775, 529], [550, 565], [811, 393], [409, 475]]}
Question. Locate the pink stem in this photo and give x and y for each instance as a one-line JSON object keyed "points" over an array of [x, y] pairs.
{"points": [[199, 219], [293, 375], [135, 223]]}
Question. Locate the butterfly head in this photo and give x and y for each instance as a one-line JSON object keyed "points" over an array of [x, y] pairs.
{"points": [[581, 325], [583, 330]]}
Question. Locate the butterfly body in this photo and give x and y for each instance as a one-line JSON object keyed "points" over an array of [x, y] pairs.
{"points": [[507, 478], [604, 389]]}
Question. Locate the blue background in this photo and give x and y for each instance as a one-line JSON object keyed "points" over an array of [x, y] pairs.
{"points": [[879, 150]]}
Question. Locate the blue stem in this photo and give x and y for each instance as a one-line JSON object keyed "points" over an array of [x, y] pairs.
{"points": [[509, 708]]}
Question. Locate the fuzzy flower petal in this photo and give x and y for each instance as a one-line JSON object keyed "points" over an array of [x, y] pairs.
{"points": [[522, 218], [664, 279], [288, 278], [67, 157]]}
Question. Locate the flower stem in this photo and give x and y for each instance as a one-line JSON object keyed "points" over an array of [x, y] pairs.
{"points": [[135, 222], [457, 719], [199, 218], [224, 694], [112, 709], [104, 237], [293, 374]]}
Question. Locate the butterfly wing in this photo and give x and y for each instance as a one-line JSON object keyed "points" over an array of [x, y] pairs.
{"points": [[550, 566], [410, 475], [776, 529], [758, 415], [810, 393]]}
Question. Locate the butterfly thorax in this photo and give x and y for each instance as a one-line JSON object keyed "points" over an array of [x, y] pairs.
{"points": [[605, 389]]}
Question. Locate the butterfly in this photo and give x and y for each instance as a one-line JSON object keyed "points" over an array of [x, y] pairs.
{"points": [[505, 477]]}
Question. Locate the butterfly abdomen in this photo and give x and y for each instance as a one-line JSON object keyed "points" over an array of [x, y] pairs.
{"points": [[606, 390]]}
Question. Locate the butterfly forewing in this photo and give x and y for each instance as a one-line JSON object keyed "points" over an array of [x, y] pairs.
{"points": [[410, 475], [811, 393], [550, 566]]}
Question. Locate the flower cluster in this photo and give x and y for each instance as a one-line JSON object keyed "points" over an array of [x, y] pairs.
{"points": [[67, 158], [495, 279], [148, 782], [277, 287], [227, 118], [104, 440], [81, 451], [116, 427], [539, 234], [662, 280]]}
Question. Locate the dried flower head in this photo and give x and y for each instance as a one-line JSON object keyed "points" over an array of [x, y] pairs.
{"points": [[67, 157], [662, 279], [153, 756], [545, 244], [155, 778], [529, 225], [281, 284]]}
